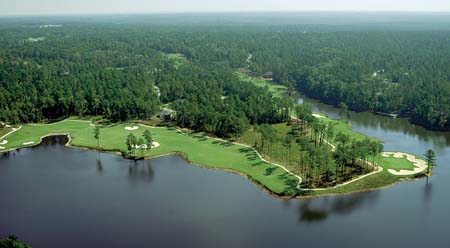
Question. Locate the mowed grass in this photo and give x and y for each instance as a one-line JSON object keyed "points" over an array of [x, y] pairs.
{"points": [[275, 89], [280, 91], [345, 128], [375, 181], [4, 131], [279, 153], [396, 163], [197, 148]]}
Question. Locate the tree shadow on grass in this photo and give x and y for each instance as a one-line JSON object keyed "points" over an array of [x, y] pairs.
{"points": [[250, 154], [199, 136], [270, 170], [258, 163], [223, 143], [246, 150]]}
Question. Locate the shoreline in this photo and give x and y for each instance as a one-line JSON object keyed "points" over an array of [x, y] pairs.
{"points": [[297, 195], [399, 116]]}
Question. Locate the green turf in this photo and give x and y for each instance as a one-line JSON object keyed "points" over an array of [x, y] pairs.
{"points": [[396, 163], [275, 89], [4, 131], [201, 150], [345, 128], [198, 148], [278, 153], [375, 181], [280, 91]]}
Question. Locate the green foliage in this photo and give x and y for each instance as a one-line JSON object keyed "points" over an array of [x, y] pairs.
{"points": [[97, 135], [148, 139], [131, 142], [12, 242], [431, 159]]}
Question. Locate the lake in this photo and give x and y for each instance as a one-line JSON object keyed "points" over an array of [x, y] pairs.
{"points": [[57, 196]]}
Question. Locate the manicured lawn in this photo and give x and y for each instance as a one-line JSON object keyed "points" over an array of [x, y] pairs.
{"points": [[375, 181], [197, 148], [378, 180], [4, 131], [345, 128], [275, 89], [279, 153], [396, 163], [280, 91]]}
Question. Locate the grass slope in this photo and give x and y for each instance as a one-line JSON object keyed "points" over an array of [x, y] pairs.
{"points": [[197, 148]]}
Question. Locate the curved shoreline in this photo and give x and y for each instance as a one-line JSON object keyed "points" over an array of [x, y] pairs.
{"points": [[259, 184]]}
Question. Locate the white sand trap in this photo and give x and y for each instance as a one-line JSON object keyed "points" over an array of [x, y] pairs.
{"points": [[1, 147], [28, 143], [419, 164], [132, 128], [318, 116], [4, 142], [154, 145]]}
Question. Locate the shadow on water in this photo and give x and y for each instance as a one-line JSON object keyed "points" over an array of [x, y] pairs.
{"points": [[427, 197], [99, 166], [140, 171], [316, 210], [52, 141]]}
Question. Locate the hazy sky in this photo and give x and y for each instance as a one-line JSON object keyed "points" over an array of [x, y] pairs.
{"points": [[20, 7]]}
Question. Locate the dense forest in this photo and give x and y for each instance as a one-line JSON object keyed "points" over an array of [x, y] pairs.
{"points": [[110, 67], [126, 73]]}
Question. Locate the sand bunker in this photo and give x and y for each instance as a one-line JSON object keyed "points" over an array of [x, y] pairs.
{"points": [[4, 142], [318, 116], [28, 143], [1, 147], [154, 145], [132, 128], [419, 164]]}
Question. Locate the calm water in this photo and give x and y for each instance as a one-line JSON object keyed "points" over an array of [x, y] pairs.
{"points": [[55, 196]]}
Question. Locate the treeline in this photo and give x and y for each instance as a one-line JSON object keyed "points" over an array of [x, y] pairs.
{"points": [[115, 72], [313, 149], [215, 101], [405, 73], [66, 75], [92, 68]]}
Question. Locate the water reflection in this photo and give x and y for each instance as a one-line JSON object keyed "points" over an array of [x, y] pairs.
{"points": [[315, 210], [5, 154], [52, 141], [382, 125], [141, 171], [99, 166]]}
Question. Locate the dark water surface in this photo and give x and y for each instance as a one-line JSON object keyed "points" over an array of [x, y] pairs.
{"points": [[56, 196]]}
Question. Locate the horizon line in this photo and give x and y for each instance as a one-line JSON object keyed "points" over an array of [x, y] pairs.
{"points": [[68, 14]]}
